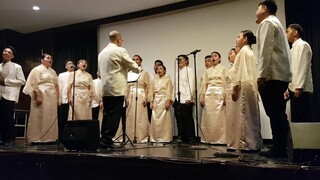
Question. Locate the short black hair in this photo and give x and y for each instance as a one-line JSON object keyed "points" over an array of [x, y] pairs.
{"points": [[271, 6], [207, 56], [12, 49], [68, 61], [185, 57], [298, 28], [158, 61]]}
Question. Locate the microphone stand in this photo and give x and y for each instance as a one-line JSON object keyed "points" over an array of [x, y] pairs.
{"points": [[73, 93], [177, 108], [179, 101], [124, 119], [72, 108], [135, 114], [196, 95]]}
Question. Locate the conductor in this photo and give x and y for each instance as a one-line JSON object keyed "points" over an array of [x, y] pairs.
{"points": [[114, 63]]}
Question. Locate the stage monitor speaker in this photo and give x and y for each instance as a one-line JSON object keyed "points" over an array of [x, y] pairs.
{"points": [[304, 142], [81, 135]]}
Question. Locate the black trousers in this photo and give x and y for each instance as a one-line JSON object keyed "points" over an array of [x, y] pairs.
{"points": [[95, 112], [301, 107], [149, 112], [63, 112], [112, 112], [185, 123], [7, 123], [275, 106]]}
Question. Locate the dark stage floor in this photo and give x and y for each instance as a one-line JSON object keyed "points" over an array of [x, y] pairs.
{"points": [[147, 161]]}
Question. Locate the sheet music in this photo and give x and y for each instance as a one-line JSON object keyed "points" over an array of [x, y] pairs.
{"points": [[133, 77]]}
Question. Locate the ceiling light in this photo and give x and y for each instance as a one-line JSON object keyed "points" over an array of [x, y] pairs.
{"points": [[36, 8]]}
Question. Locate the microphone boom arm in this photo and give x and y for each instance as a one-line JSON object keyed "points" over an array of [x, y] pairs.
{"points": [[194, 52]]}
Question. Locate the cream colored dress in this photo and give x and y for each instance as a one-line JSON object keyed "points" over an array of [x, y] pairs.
{"points": [[42, 124], [247, 117], [231, 109], [137, 123], [161, 122], [84, 93], [213, 124]]}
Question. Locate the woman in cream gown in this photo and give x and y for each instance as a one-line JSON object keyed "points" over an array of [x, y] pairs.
{"points": [[83, 95], [42, 86], [137, 123], [230, 104], [161, 96], [245, 94], [212, 99]]}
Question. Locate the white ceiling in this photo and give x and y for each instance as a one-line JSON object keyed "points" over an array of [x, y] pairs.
{"points": [[18, 15]]}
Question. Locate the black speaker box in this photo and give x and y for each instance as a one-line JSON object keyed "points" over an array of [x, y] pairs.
{"points": [[81, 135], [304, 142]]}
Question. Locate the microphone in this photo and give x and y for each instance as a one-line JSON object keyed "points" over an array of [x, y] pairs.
{"points": [[195, 51], [74, 67]]}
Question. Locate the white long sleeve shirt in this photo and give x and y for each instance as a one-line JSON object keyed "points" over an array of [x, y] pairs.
{"points": [[97, 94], [274, 58], [186, 84], [13, 80], [63, 80], [114, 63], [301, 66]]}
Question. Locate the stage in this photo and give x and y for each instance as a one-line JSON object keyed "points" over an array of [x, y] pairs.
{"points": [[147, 161]]}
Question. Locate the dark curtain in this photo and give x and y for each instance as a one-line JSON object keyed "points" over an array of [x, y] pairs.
{"points": [[76, 44], [307, 14]]}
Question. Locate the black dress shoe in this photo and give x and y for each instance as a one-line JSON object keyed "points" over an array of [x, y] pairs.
{"points": [[192, 142], [177, 141], [274, 153], [104, 145], [249, 150], [231, 149]]}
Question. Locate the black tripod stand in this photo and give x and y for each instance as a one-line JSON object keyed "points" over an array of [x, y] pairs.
{"points": [[124, 134], [125, 137]]}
